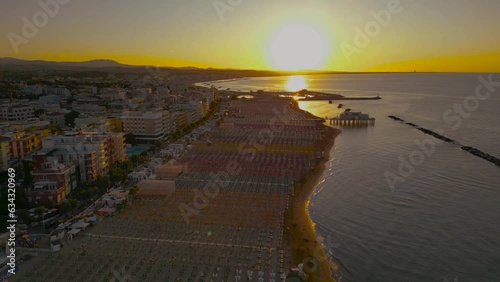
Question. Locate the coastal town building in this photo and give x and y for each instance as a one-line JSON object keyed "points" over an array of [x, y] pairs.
{"points": [[21, 144], [149, 125], [59, 91], [92, 152], [114, 124], [84, 120], [48, 103], [16, 112], [37, 90], [180, 119], [56, 118], [112, 94], [18, 126], [6, 128], [89, 108], [4, 153], [49, 99], [87, 89], [49, 108], [53, 180], [194, 115]]}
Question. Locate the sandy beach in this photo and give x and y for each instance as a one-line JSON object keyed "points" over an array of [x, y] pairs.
{"points": [[302, 236]]}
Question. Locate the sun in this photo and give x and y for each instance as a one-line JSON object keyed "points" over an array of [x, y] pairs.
{"points": [[297, 46]]}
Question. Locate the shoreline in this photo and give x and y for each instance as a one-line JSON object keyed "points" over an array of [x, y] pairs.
{"points": [[302, 234]]}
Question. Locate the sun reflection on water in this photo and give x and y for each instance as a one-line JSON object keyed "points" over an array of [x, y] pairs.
{"points": [[296, 83]]}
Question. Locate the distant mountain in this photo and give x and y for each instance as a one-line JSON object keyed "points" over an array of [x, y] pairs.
{"points": [[97, 64], [40, 63], [8, 63], [13, 61]]}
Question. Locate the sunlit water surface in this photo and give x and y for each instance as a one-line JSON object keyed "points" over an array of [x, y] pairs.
{"points": [[443, 222]]}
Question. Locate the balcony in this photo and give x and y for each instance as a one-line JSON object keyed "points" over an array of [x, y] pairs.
{"points": [[45, 186]]}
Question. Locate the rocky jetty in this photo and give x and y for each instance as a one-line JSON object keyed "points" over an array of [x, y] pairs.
{"points": [[396, 118], [472, 150], [424, 130], [436, 135], [482, 155]]}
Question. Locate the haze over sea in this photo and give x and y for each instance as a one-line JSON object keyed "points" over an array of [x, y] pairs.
{"points": [[441, 223]]}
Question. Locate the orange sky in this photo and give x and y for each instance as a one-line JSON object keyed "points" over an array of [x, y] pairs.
{"points": [[373, 35]]}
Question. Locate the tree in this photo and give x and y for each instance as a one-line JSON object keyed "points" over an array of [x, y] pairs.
{"points": [[49, 204], [38, 112], [54, 129], [24, 215], [157, 144], [102, 182], [28, 178], [73, 204], [116, 174], [126, 165], [133, 190], [120, 206], [39, 211], [69, 118], [135, 159], [64, 207]]}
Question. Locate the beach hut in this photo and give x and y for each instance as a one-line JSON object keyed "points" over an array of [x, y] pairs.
{"points": [[79, 225], [55, 246], [73, 232], [57, 234]]}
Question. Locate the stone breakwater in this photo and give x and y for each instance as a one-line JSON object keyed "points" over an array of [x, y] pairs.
{"points": [[482, 155], [476, 152]]}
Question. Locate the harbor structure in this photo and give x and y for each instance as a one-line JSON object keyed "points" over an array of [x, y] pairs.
{"points": [[350, 118]]}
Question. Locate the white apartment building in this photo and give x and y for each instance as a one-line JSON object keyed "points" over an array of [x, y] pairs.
{"points": [[16, 112], [145, 125]]}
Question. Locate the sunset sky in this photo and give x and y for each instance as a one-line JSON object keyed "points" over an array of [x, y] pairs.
{"points": [[426, 35]]}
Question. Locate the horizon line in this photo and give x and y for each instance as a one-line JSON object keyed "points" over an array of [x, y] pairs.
{"points": [[319, 72]]}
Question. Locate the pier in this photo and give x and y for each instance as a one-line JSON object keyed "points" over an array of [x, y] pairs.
{"points": [[349, 118]]}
